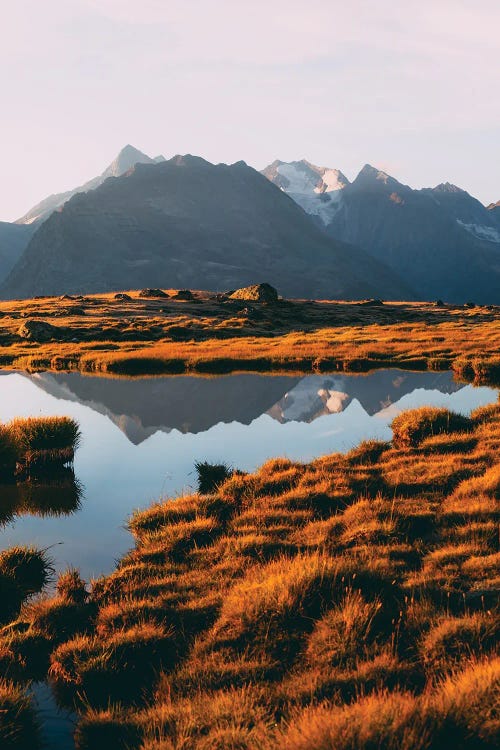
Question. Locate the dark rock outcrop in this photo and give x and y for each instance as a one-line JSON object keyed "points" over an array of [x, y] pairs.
{"points": [[153, 293], [257, 293], [184, 294], [38, 330]]}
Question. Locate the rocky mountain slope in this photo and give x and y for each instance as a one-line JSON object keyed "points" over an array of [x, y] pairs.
{"points": [[126, 159], [13, 241], [188, 223], [494, 209], [442, 240]]}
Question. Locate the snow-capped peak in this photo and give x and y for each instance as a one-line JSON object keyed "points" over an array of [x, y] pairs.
{"points": [[316, 189]]}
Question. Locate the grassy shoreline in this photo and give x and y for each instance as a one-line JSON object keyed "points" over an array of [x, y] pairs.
{"points": [[137, 336], [342, 604]]}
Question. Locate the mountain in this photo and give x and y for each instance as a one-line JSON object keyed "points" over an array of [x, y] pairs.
{"points": [[442, 240], [315, 189], [188, 223], [467, 211], [126, 159], [13, 241], [494, 209], [195, 404]]}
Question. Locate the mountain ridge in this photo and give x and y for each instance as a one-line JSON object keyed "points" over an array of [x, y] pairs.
{"points": [[187, 222], [444, 241], [126, 158]]}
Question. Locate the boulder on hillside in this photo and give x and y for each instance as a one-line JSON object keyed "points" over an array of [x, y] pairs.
{"points": [[74, 311], [38, 330], [184, 294], [256, 293], [153, 293], [126, 297]]}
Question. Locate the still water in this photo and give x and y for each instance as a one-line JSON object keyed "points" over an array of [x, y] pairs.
{"points": [[140, 438]]}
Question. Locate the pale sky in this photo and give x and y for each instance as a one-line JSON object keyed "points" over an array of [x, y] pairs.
{"points": [[410, 86]]}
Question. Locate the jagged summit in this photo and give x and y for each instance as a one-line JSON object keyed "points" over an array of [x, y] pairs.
{"points": [[188, 160], [126, 159], [372, 176], [447, 187]]}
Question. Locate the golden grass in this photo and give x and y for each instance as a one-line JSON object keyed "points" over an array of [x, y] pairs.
{"points": [[35, 444], [349, 603], [170, 336], [18, 725]]}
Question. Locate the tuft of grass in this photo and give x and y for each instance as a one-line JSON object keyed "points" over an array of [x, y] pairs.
{"points": [[71, 587], [158, 515], [18, 724], [121, 669], [29, 567], [108, 728], [461, 711], [411, 427], [8, 453], [454, 639], [345, 633], [236, 719], [45, 433], [386, 720], [44, 442], [211, 476], [58, 617]]}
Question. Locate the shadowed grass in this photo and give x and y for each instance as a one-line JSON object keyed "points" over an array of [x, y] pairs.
{"points": [[18, 725]]}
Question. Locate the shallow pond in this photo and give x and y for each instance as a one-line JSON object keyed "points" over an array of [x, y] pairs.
{"points": [[141, 437]]}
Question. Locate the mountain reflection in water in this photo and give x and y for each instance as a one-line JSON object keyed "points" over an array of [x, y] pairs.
{"points": [[141, 437]]}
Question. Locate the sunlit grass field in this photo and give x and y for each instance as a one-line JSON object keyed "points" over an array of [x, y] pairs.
{"points": [[134, 335], [350, 603]]}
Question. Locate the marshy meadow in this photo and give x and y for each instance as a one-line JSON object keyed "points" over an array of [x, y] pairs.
{"points": [[346, 603]]}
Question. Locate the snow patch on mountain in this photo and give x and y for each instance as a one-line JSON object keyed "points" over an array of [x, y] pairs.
{"points": [[481, 231], [318, 190]]}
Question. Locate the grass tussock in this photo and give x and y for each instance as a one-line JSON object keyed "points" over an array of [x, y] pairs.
{"points": [[19, 728], [350, 603], [411, 427], [24, 571], [211, 476], [37, 444]]}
